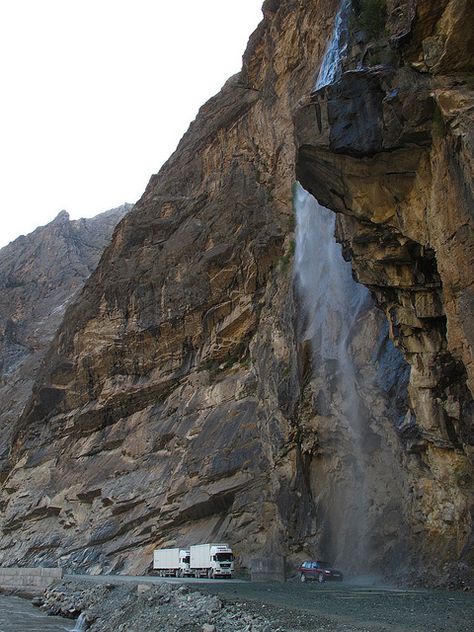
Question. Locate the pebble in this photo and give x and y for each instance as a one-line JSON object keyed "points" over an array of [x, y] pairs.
{"points": [[163, 607]]}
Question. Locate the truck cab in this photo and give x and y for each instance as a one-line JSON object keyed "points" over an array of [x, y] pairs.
{"points": [[184, 563], [222, 561], [212, 560]]}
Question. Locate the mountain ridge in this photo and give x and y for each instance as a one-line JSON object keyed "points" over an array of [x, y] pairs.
{"points": [[40, 274]]}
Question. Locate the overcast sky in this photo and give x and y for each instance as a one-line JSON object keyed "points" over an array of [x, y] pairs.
{"points": [[95, 95]]}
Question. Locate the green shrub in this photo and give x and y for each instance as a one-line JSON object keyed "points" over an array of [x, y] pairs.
{"points": [[463, 476], [285, 260], [468, 80], [239, 355], [371, 16], [292, 224], [210, 365], [439, 124]]}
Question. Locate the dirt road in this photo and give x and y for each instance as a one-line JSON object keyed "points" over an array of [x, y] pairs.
{"points": [[337, 606]]}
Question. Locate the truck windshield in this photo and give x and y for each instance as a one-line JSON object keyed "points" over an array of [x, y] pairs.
{"points": [[224, 557]]}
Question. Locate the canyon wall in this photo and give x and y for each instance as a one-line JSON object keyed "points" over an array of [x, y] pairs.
{"points": [[150, 423], [40, 274], [179, 401], [388, 146]]}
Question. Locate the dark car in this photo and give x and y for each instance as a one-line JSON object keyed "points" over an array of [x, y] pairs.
{"points": [[319, 571]]}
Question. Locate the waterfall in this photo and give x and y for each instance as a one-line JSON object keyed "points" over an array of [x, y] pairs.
{"points": [[81, 623], [332, 306], [330, 69], [332, 303], [330, 296]]}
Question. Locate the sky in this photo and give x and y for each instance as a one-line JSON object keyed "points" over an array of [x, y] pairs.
{"points": [[96, 94]]}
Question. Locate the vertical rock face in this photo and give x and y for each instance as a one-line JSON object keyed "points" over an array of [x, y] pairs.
{"points": [[40, 274], [178, 404], [389, 147], [156, 419]]}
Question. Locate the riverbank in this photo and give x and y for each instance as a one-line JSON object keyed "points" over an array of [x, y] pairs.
{"points": [[121, 604], [166, 607]]}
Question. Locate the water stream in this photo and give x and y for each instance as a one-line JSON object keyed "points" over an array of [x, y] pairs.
{"points": [[332, 303], [81, 623], [330, 69], [18, 615]]}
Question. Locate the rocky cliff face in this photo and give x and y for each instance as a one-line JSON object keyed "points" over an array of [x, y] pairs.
{"points": [[178, 402], [40, 274], [150, 424], [389, 147]]}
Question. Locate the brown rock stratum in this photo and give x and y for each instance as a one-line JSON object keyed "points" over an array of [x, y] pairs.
{"points": [[389, 147], [40, 274], [176, 404]]}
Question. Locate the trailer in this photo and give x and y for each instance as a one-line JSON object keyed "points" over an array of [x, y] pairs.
{"points": [[172, 562], [211, 560]]}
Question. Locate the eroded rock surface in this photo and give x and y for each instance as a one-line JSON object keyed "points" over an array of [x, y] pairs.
{"points": [[151, 423], [177, 404], [166, 607], [389, 147], [40, 274]]}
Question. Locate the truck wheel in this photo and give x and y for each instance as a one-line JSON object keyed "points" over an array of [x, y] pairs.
{"points": [[179, 573], [320, 578], [302, 578]]}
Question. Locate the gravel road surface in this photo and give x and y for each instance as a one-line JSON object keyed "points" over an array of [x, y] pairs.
{"points": [[336, 606]]}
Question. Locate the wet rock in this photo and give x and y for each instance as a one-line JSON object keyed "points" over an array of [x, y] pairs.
{"points": [[396, 209], [166, 607], [37, 601]]}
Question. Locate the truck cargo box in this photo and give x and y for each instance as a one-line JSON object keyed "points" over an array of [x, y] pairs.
{"points": [[174, 562]]}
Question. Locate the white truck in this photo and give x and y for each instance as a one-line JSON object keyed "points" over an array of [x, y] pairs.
{"points": [[171, 562], [211, 560]]}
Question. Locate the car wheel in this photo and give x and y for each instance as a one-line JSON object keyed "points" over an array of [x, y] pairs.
{"points": [[303, 578], [320, 578]]}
